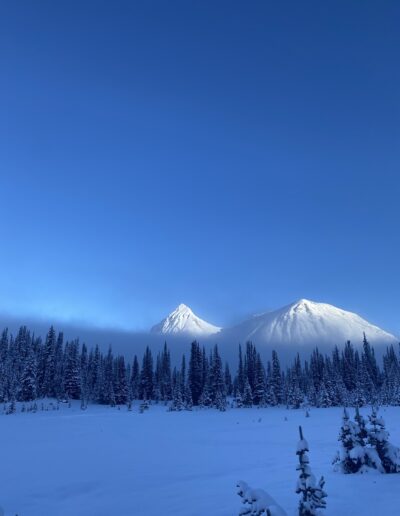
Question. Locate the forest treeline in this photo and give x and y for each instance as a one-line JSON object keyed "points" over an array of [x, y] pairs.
{"points": [[32, 368]]}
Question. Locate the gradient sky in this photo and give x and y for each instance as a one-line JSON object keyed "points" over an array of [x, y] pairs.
{"points": [[235, 156]]}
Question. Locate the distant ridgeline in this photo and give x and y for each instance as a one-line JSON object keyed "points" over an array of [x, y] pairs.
{"points": [[31, 368]]}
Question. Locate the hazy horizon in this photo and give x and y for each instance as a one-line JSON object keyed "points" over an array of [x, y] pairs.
{"points": [[130, 341]]}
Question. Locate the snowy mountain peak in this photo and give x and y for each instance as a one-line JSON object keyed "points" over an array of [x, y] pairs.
{"points": [[303, 301], [303, 304], [300, 323], [309, 322], [183, 321], [182, 308]]}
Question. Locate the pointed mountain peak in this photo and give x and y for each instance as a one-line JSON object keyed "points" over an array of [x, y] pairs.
{"points": [[303, 305], [182, 308], [183, 321], [304, 302]]}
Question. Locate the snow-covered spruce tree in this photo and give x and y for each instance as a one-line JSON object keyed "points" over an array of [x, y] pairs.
{"points": [[352, 455], [17, 359], [371, 367], [367, 386], [28, 378], [362, 433], [378, 440], [317, 366], [84, 364], [196, 372], [312, 493], [107, 396], [156, 392], [220, 402], [49, 363], [326, 394], [93, 374], [205, 399], [217, 382], [347, 366], [157, 379], [177, 396], [247, 399], [295, 396], [205, 367], [276, 379], [228, 380], [188, 402], [72, 370], [339, 390], [165, 374], [59, 365], [250, 364], [358, 397], [269, 390], [366, 448], [183, 373], [323, 397], [259, 395], [238, 399], [120, 382], [135, 378], [147, 376], [390, 391], [240, 376]]}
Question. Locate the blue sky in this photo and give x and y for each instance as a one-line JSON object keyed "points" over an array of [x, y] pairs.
{"points": [[235, 156]]}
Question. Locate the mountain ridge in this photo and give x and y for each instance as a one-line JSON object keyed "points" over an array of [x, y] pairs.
{"points": [[299, 323]]}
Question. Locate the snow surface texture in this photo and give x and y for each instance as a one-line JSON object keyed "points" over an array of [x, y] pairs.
{"points": [[106, 461], [307, 322], [183, 321]]}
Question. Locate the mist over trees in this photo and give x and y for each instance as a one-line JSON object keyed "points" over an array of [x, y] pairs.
{"points": [[32, 368]]}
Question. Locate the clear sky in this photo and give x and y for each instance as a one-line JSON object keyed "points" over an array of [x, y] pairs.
{"points": [[235, 156]]}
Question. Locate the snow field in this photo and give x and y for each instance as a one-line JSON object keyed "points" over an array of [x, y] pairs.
{"points": [[110, 462]]}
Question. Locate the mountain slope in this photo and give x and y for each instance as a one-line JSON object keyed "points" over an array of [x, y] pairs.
{"points": [[183, 321], [308, 322]]}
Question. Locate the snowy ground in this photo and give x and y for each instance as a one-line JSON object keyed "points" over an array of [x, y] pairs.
{"points": [[109, 462]]}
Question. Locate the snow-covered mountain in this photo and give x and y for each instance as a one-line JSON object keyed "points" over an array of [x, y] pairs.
{"points": [[183, 321], [308, 322], [302, 323]]}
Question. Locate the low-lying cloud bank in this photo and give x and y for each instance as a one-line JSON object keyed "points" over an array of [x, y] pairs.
{"points": [[130, 343]]}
